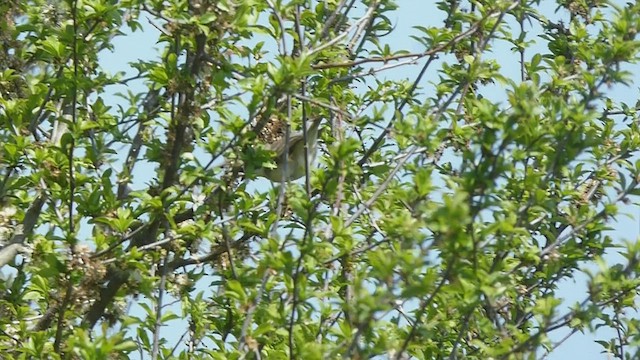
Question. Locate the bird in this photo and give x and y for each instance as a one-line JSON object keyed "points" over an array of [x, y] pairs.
{"points": [[295, 157]]}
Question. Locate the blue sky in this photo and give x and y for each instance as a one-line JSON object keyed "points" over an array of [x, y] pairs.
{"points": [[140, 45]]}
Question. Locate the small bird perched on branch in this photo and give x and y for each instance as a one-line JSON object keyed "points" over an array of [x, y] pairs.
{"points": [[293, 155]]}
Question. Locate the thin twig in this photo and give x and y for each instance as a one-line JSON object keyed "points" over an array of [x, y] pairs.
{"points": [[372, 71], [249, 315], [178, 343], [340, 37], [422, 310], [276, 13], [332, 18], [324, 105], [363, 25], [158, 323], [227, 244], [558, 343], [128, 236], [560, 239], [33, 126]]}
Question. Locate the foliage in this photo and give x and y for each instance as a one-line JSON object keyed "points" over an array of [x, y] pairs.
{"points": [[445, 211]]}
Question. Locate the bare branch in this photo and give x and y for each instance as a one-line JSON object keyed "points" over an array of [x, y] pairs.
{"points": [[9, 252]]}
